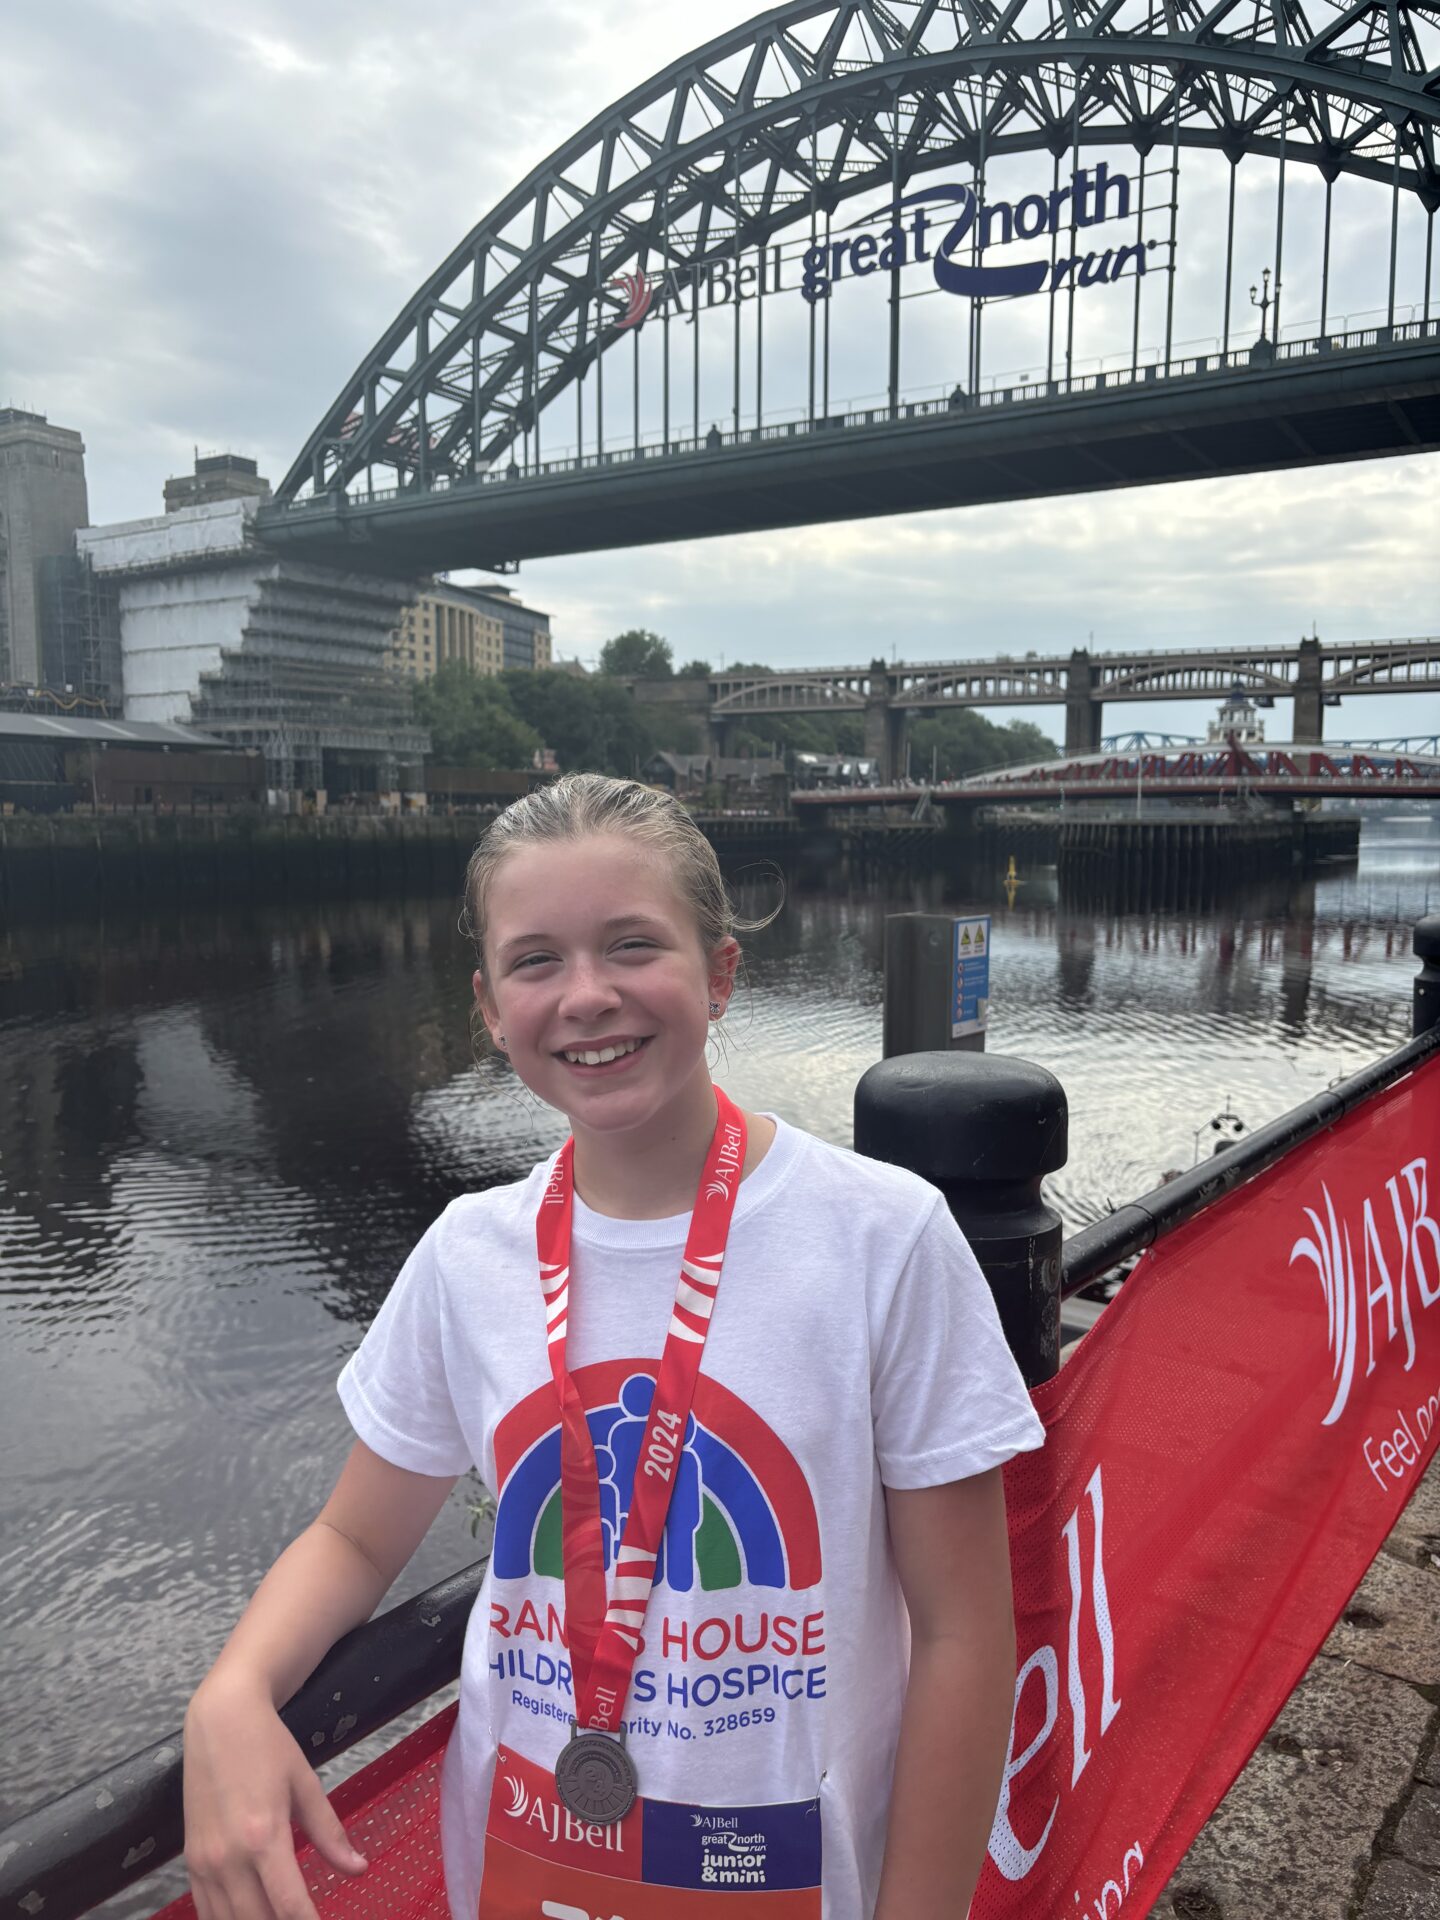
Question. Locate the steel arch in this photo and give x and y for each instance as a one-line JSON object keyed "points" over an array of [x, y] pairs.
{"points": [[819, 100], [1161, 678], [790, 693]]}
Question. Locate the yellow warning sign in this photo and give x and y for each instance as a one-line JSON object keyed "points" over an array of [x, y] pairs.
{"points": [[970, 1000]]}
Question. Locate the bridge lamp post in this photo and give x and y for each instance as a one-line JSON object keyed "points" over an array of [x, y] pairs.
{"points": [[1264, 347]]}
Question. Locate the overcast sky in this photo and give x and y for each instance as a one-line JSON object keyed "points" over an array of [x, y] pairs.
{"points": [[207, 216]]}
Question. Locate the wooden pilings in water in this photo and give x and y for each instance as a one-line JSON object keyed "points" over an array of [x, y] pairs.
{"points": [[1162, 861]]}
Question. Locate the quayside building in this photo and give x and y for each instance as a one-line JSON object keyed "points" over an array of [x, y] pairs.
{"points": [[44, 635], [486, 628], [281, 655]]}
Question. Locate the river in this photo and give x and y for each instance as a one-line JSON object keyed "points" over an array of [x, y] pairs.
{"points": [[219, 1136]]}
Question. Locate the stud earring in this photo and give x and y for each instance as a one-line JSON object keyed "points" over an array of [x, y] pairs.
{"points": [[500, 1041], [714, 1009]]}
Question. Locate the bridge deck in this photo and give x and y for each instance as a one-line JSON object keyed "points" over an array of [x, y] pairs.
{"points": [[1098, 786], [1356, 397]]}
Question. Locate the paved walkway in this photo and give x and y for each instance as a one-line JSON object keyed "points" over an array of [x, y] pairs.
{"points": [[1337, 1816]]}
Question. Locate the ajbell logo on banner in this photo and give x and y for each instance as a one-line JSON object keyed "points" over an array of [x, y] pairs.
{"points": [[1394, 1277], [1228, 1449]]}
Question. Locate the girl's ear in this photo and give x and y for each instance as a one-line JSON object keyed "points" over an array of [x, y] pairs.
{"points": [[724, 959], [484, 999]]}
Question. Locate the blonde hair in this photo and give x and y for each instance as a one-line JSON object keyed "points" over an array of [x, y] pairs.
{"points": [[579, 804]]}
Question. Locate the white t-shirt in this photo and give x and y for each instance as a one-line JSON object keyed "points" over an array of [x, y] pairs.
{"points": [[854, 1346]]}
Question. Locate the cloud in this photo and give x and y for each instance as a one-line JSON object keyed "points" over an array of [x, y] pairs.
{"points": [[206, 220]]}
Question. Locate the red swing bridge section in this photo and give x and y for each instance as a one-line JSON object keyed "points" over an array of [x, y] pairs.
{"points": [[1225, 772]]}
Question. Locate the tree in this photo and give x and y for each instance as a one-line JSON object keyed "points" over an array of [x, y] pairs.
{"points": [[593, 725], [471, 720], [671, 728], [802, 733], [695, 670], [957, 741], [1025, 741], [637, 653]]}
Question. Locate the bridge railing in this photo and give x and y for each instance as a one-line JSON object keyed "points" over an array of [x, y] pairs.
{"points": [[121, 1825], [1026, 393]]}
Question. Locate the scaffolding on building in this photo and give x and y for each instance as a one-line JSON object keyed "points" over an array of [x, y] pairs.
{"points": [[308, 685], [4, 605], [79, 633]]}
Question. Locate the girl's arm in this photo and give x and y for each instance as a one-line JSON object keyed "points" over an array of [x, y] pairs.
{"points": [[953, 1557], [246, 1779]]}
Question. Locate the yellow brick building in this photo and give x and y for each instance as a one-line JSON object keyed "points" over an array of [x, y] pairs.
{"points": [[446, 624]]}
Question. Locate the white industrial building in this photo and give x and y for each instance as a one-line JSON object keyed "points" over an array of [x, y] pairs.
{"points": [[279, 654]]}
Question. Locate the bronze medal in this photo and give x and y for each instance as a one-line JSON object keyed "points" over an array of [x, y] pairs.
{"points": [[595, 1777]]}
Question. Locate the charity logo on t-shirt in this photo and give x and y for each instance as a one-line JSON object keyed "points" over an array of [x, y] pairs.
{"points": [[741, 1526], [741, 1517], [740, 1511]]}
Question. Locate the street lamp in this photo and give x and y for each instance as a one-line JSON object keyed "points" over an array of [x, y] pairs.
{"points": [[1264, 303]]}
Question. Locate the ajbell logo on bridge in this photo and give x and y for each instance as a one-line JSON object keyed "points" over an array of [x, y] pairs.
{"points": [[1085, 203], [949, 228]]}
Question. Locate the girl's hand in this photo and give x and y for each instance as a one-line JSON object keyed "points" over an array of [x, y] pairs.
{"points": [[246, 1780]]}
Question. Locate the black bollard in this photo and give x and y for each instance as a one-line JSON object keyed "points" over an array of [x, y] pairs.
{"points": [[985, 1131], [1427, 982]]}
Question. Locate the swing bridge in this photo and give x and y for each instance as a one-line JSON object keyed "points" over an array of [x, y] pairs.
{"points": [[1203, 773], [646, 339]]}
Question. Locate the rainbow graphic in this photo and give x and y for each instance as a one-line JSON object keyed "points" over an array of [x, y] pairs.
{"points": [[741, 1513]]}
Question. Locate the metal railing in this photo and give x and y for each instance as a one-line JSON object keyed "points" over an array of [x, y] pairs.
{"points": [[1027, 393], [119, 1826]]}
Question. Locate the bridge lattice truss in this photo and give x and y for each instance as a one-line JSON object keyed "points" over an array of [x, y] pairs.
{"points": [[1380, 666], [772, 125]]}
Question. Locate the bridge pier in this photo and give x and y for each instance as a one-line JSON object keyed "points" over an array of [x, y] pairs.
{"points": [[1309, 722], [1083, 716], [897, 740], [884, 726]]}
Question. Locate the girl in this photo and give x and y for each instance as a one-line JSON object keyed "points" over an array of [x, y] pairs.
{"points": [[764, 1644]]}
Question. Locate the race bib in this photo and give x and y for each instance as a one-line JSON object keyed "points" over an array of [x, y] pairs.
{"points": [[663, 1861]]}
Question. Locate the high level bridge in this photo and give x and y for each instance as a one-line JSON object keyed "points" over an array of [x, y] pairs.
{"points": [[1312, 674], [867, 256]]}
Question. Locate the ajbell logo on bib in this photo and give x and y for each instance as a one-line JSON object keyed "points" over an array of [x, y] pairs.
{"points": [[525, 1810]]}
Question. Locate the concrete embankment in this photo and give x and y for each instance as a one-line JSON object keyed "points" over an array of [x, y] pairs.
{"points": [[1337, 1815]]}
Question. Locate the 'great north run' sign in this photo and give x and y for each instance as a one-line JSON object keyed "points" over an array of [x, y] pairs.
{"points": [[953, 244]]}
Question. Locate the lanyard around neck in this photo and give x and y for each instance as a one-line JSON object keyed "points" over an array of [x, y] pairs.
{"points": [[604, 1638]]}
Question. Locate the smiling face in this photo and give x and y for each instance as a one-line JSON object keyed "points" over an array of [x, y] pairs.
{"points": [[596, 975]]}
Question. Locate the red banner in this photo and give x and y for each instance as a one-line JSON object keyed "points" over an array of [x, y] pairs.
{"points": [[1226, 1453]]}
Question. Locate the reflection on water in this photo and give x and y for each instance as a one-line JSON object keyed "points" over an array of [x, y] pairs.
{"points": [[220, 1136]]}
